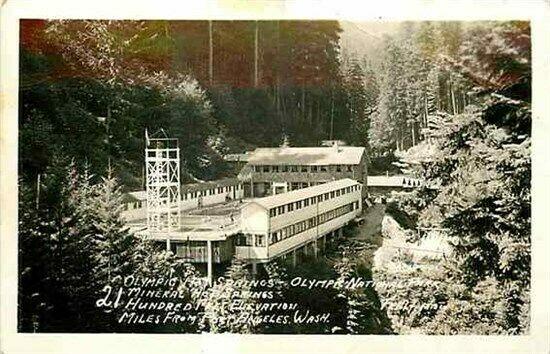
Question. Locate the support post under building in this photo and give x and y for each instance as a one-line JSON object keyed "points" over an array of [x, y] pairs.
{"points": [[209, 271], [315, 249]]}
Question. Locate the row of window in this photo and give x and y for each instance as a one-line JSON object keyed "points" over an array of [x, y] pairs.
{"points": [[256, 240], [299, 227], [302, 168], [134, 205], [211, 191], [189, 196], [311, 201], [259, 240]]}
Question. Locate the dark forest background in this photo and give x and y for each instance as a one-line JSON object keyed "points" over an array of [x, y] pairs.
{"points": [[89, 90]]}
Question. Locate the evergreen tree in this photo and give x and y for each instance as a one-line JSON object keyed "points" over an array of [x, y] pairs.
{"points": [[230, 306], [357, 104], [73, 243]]}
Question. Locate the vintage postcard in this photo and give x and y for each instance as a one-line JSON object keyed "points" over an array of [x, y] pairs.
{"points": [[244, 170]]}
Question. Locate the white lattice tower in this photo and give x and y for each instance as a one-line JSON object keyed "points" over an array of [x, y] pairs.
{"points": [[162, 166]]}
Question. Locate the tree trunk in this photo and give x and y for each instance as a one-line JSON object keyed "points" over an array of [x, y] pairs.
{"points": [[453, 100], [256, 55], [107, 121], [278, 72], [310, 118], [37, 191], [426, 111], [331, 114], [210, 54], [303, 103]]}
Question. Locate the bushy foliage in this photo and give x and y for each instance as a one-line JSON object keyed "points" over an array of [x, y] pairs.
{"points": [[477, 169], [229, 304], [72, 243]]}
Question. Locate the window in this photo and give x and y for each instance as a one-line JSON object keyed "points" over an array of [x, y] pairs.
{"points": [[323, 168], [260, 241], [275, 168], [293, 168], [272, 212], [266, 168], [244, 240], [338, 193], [306, 202], [284, 168], [220, 189], [290, 207], [314, 168], [350, 168], [256, 168], [299, 205], [332, 194], [304, 168], [326, 196], [338, 168]]}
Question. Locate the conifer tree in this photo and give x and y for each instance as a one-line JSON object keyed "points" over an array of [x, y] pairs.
{"points": [[230, 306]]}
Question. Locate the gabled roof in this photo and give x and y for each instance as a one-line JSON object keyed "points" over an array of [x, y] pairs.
{"points": [[299, 194], [136, 196], [333, 155], [237, 157]]}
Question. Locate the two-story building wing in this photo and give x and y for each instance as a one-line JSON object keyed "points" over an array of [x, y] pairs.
{"points": [[276, 225], [271, 171]]}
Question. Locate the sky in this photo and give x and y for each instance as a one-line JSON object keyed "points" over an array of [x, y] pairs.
{"points": [[363, 39]]}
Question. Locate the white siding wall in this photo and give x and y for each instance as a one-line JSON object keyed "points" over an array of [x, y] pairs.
{"points": [[135, 214], [190, 203], [289, 218], [251, 252], [295, 241], [256, 220]]}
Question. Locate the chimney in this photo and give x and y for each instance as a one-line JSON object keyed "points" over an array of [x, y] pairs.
{"points": [[336, 146]]}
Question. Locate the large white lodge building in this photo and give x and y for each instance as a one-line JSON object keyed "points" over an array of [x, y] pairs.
{"points": [[312, 195]]}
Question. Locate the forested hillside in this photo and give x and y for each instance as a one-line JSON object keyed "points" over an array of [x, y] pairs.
{"points": [[90, 88]]}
